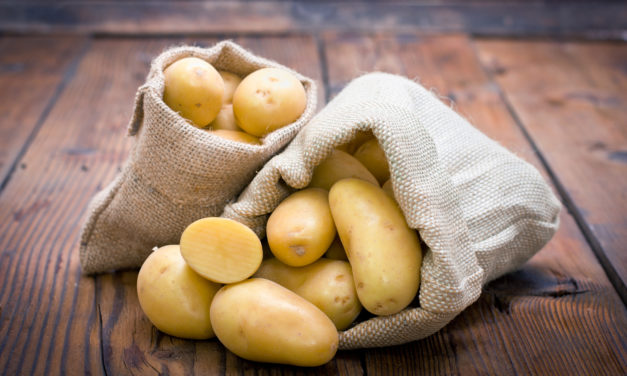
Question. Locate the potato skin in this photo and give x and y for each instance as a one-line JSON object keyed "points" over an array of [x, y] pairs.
{"points": [[328, 284], [175, 298], [194, 89], [260, 320], [373, 158], [352, 146], [301, 228], [383, 251], [231, 82], [237, 136], [336, 250], [339, 165], [267, 100], [225, 120]]}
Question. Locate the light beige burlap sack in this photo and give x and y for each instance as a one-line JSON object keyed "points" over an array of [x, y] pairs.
{"points": [[481, 210], [175, 173]]}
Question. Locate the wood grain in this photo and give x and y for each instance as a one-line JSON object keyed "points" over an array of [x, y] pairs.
{"points": [[575, 110], [543, 306], [49, 321], [520, 18], [32, 71]]}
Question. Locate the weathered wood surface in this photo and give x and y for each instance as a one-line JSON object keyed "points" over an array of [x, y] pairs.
{"points": [[559, 313], [574, 108], [32, 71], [591, 19]]}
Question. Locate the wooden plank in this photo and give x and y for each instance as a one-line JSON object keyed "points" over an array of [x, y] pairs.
{"points": [[559, 313], [32, 71], [49, 320], [596, 19], [132, 345], [575, 110]]}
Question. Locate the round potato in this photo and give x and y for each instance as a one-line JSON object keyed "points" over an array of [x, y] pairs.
{"points": [[221, 250], [387, 188], [236, 136], [301, 228], [373, 158], [194, 89], [328, 284], [175, 298], [225, 120], [260, 320], [267, 100], [339, 165], [384, 252], [231, 81]]}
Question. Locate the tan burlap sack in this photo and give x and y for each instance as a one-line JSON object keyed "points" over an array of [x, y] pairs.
{"points": [[481, 210], [175, 173]]}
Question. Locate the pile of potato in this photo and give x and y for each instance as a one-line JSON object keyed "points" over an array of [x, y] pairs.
{"points": [[337, 246], [228, 106]]}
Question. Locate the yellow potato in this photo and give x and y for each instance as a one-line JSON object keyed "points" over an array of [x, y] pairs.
{"points": [[387, 188], [383, 251], [221, 250], [236, 136], [336, 250], [175, 298], [231, 81], [328, 284], [352, 146], [267, 100], [373, 158], [301, 228], [260, 320], [339, 165], [225, 120], [194, 89]]}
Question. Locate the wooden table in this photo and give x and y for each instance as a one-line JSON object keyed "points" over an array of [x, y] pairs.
{"points": [[65, 100]]}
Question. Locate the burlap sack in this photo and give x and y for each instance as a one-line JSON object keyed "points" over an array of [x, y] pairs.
{"points": [[175, 173], [481, 210]]}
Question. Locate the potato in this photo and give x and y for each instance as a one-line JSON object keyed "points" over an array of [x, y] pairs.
{"points": [[352, 146], [383, 251], [336, 250], [236, 136], [194, 89], [387, 188], [221, 250], [260, 320], [267, 100], [373, 158], [339, 165], [225, 120], [301, 228], [231, 81], [328, 284], [175, 298]]}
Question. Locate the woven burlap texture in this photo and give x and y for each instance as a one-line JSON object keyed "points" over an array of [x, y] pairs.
{"points": [[481, 210], [175, 173]]}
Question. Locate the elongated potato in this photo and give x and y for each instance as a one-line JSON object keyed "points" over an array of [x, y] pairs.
{"points": [[301, 228], [175, 298], [383, 251], [336, 250], [339, 165], [194, 89], [328, 284], [221, 250], [267, 100], [373, 158], [260, 320]]}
